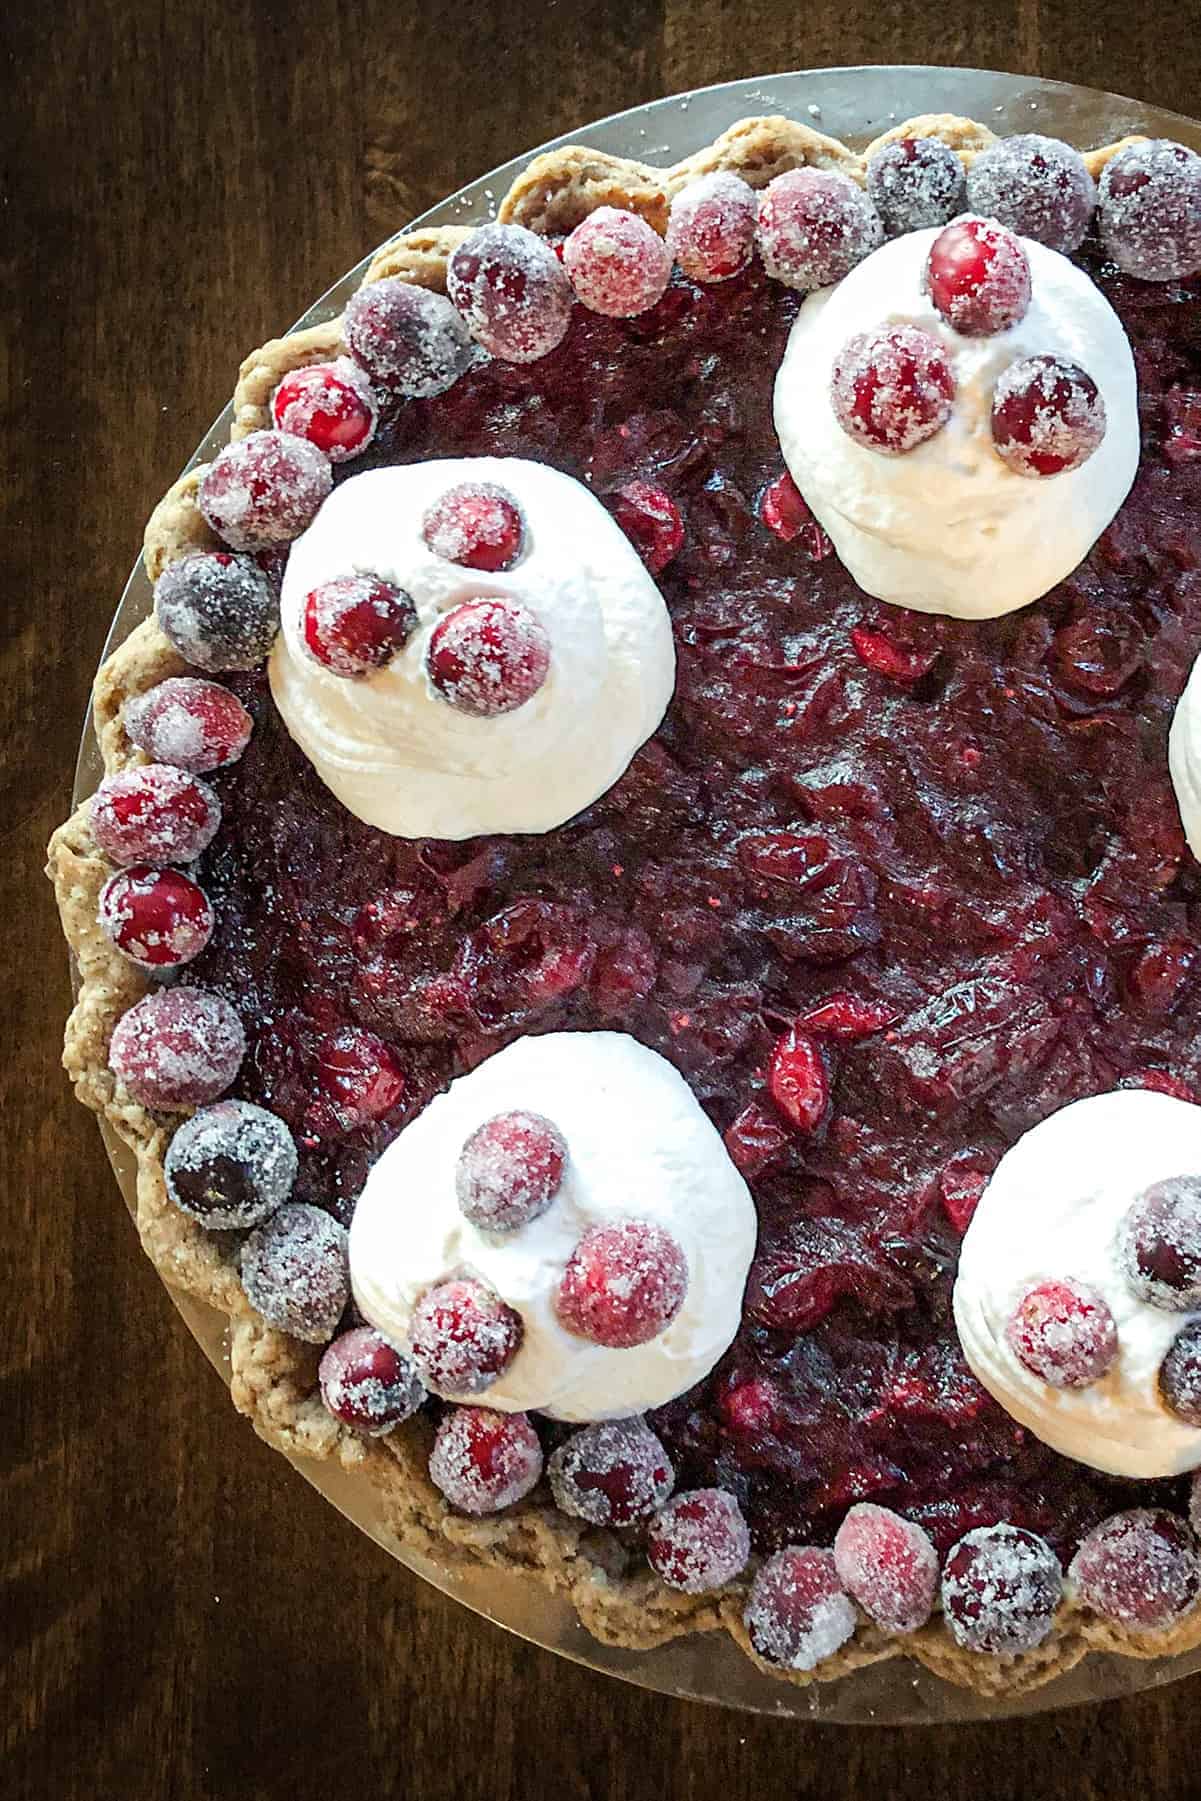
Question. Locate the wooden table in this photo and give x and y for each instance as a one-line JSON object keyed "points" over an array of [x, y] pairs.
{"points": [[182, 1616]]}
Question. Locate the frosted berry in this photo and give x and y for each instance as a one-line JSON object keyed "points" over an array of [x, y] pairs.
{"points": [[698, 1541], [889, 1565], [1064, 1333], [408, 339], [477, 525], [1036, 186], [154, 813], [624, 1284], [512, 290], [159, 918], [265, 489], [814, 226], [367, 1384], [711, 227], [797, 1080], [1138, 1569], [1047, 416], [1149, 206], [195, 725], [978, 277], [488, 656], [614, 1473], [1180, 1376], [294, 1271], [915, 183], [219, 610], [178, 1047], [231, 1166], [892, 389], [356, 624], [483, 1461], [330, 404], [358, 1076], [618, 264], [1001, 1586], [510, 1170], [797, 1613], [1159, 1244], [462, 1336], [651, 521]]}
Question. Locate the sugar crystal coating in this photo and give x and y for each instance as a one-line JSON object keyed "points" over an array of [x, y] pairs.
{"points": [[483, 1461], [915, 183], [367, 1384], [892, 389], [408, 339], [1037, 186], [1159, 1244], [477, 525], [177, 1047], [624, 1284], [978, 276], [1047, 415], [618, 264], [295, 1273], [155, 813], [1001, 1586], [1180, 1376], [263, 490], [488, 656], [711, 226], [814, 226], [231, 1165], [889, 1565], [1150, 210], [195, 725], [512, 290], [330, 404], [1138, 1568], [462, 1336], [698, 1541], [219, 610], [510, 1170], [160, 918], [1064, 1333], [613, 1473], [355, 624], [797, 1613]]}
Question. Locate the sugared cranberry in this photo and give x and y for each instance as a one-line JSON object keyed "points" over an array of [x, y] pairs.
{"points": [[978, 277], [512, 290], [462, 1337], [797, 1080], [698, 1541], [1138, 1569], [154, 814], [814, 226], [483, 1461], [1036, 186], [488, 656], [1150, 210], [330, 404], [915, 183], [294, 1272], [409, 340], [896, 662], [889, 1565], [1159, 1243], [263, 490], [231, 1165], [510, 1170], [1063, 1332], [651, 521], [624, 1284], [1001, 1586], [1180, 1376], [846, 1016], [367, 1384], [618, 264], [195, 725], [892, 389], [614, 1473], [355, 624], [359, 1077], [477, 525], [1047, 416], [179, 1047], [219, 610], [159, 918], [798, 1613], [711, 227]]}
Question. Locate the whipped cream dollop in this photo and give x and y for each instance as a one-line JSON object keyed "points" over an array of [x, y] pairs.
{"points": [[639, 1146], [1052, 1209], [949, 527], [1184, 758], [389, 747]]}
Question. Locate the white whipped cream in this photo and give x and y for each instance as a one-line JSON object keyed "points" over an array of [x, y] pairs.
{"points": [[639, 1146], [390, 747], [948, 527], [1053, 1209], [1184, 758]]}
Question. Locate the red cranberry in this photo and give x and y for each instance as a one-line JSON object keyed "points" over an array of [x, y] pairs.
{"points": [[483, 1461], [330, 404], [960, 1190], [895, 662], [510, 1170], [618, 264], [154, 814], [651, 521], [624, 1284], [1150, 210], [756, 1140], [512, 290], [294, 1272], [698, 1541], [159, 918], [477, 525], [1001, 1586], [355, 624], [359, 1077], [614, 1473], [265, 489], [462, 1337], [231, 1166], [367, 1384], [797, 1080], [814, 226], [892, 389], [1047, 416], [195, 725], [1159, 1243], [711, 229], [782, 509], [915, 183], [1180, 1376], [1096, 653], [797, 1613], [1064, 1333], [889, 1565], [179, 1047], [1138, 1569], [488, 656], [219, 610], [408, 339], [846, 1016], [752, 1406], [1037, 186], [978, 277], [1158, 975]]}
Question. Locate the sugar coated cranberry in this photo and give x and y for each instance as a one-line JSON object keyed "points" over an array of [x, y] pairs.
{"points": [[1047, 416], [1001, 1586], [1063, 1332], [889, 1565], [483, 1461], [814, 226], [1180, 1376], [330, 404], [1159, 1243], [510, 1170], [154, 814], [1150, 210], [797, 1080], [1037, 186], [798, 1613], [294, 1271], [159, 918], [195, 725], [477, 525], [618, 264], [978, 277], [265, 489], [651, 521], [355, 624], [614, 1473], [512, 290], [698, 1541], [1138, 1569], [408, 339], [488, 656], [711, 227], [367, 1384], [219, 610], [892, 389], [624, 1284], [915, 183], [359, 1077], [178, 1047], [231, 1165], [462, 1336]]}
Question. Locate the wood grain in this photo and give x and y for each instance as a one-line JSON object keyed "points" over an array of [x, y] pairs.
{"points": [[182, 1616]]}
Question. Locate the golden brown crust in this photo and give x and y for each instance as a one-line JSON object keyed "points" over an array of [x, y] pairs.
{"points": [[274, 1377]]}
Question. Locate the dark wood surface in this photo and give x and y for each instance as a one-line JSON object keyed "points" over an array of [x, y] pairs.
{"points": [[181, 1616]]}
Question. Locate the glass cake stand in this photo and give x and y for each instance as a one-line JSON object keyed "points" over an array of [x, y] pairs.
{"points": [[854, 104]]}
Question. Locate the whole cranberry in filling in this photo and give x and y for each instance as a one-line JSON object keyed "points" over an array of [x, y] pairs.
{"points": [[483, 1461], [367, 1384], [1037, 186], [154, 814], [915, 183], [231, 1166], [488, 657], [477, 525], [330, 404], [618, 264], [408, 339], [1064, 1333], [188, 722], [264, 490], [889, 1565], [462, 1336], [614, 1473], [294, 1272], [797, 1613], [1047, 416], [159, 918], [1180, 1376], [698, 1541], [892, 389], [797, 1080], [711, 227], [783, 509], [219, 610], [1001, 1586], [1159, 1243], [1149, 202], [179, 1047], [978, 277], [512, 290], [814, 226], [510, 1170], [355, 624], [1138, 1569], [624, 1284], [359, 1077], [651, 521]]}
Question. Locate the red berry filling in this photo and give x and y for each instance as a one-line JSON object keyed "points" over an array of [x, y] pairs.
{"points": [[1159, 1243], [915, 183], [1034, 185], [1047, 416], [1138, 1569], [510, 1170], [462, 1337], [488, 657], [889, 1565], [892, 389], [295, 1273], [896, 662], [154, 814], [264, 489], [477, 525], [978, 277], [1064, 1333], [159, 918], [195, 725], [410, 340], [797, 1613], [797, 1080], [367, 1384], [711, 227], [814, 226], [331, 405], [484, 1461], [512, 290], [1150, 210], [624, 1284], [356, 624], [359, 1080], [611, 1474], [179, 1047], [1001, 1586], [846, 1016], [698, 1541], [618, 264], [651, 521]]}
